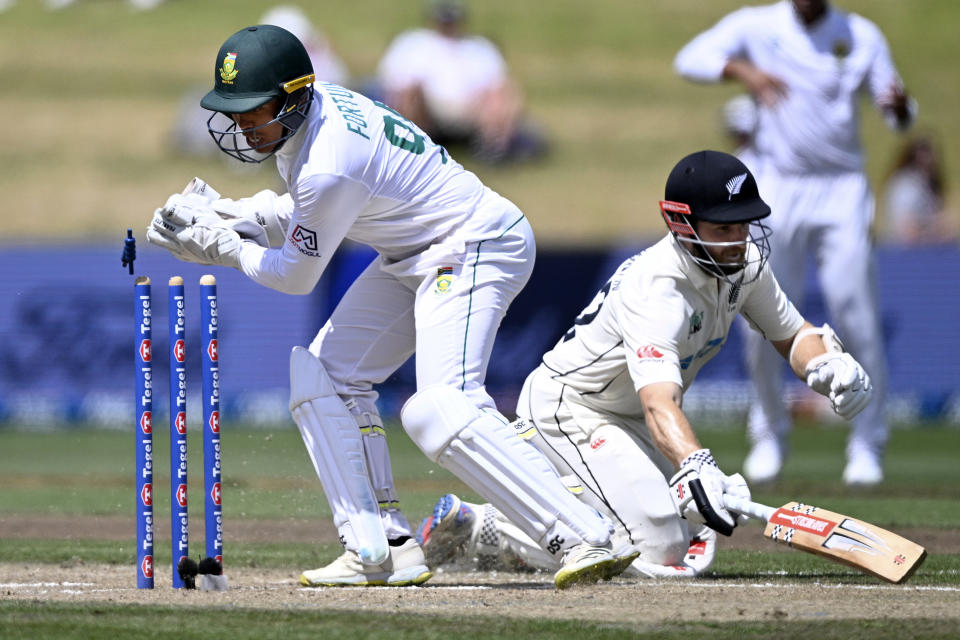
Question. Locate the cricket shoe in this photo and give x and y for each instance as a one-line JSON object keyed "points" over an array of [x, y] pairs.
{"points": [[697, 559], [444, 534], [863, 469], [587, 564], [764, 462], [467, 537], [404, 568]]}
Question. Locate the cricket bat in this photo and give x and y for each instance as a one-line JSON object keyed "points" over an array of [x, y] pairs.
{"points": [[837, 537]]}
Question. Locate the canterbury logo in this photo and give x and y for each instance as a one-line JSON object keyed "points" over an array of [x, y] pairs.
{"points": [[734, 184]]}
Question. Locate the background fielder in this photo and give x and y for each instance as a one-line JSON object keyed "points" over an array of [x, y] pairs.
{"points": [[605, 404], [452, 256], [806, 63]]}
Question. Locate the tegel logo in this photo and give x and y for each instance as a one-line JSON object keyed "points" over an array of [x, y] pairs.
{"points": [[182, 495], [181, 422], [146, 350]]}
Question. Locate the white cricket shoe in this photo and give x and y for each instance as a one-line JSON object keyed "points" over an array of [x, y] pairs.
{"points": [[587, 564], [405, 567], [863, 469], [764, 462]]}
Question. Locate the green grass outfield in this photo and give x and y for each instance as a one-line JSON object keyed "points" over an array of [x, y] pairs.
{"points": [[268, 477], [39, 621]]}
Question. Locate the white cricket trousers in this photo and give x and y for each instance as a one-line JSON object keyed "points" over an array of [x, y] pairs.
{"points": [[613, 459], [446, 310], [826, 218]]}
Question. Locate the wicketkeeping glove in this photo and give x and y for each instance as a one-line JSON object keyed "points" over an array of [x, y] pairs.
{"points": [[697, 491], [200, 244], [254, 218], [841, 378]]}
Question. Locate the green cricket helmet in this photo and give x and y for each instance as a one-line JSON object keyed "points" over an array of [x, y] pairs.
{"points": [[255, 66]]}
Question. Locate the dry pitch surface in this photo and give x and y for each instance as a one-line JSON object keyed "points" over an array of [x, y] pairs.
{"points": [[501, 594]]}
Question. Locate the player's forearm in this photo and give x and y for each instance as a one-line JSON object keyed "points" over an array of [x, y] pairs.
{"points": [[739, 69], [281, 269], [668, 426]]}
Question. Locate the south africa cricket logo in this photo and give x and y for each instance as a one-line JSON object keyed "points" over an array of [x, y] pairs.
{"points": [[841, 49], [444, 280], [229, 71]]}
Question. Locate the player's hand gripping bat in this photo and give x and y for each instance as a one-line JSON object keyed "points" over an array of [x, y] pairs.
{"points": [[837, 537]]}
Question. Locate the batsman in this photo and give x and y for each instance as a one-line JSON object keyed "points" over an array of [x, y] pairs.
{"points": [[605, 404], [452, 255]]}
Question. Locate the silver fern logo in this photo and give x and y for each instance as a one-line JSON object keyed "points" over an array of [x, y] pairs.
{"points": [[734, 184]]}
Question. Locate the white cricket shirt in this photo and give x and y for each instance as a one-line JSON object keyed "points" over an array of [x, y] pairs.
{"points": [[660, 318], [815, 128], [359, 170]]}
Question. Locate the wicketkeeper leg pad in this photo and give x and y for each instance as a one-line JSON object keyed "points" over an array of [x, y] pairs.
{"points": [[380, 471], [508, 472], [335, 445]]}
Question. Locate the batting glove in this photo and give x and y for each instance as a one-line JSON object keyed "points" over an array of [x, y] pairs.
{"points": [[841, 378], [736, 485], [697, 491]]}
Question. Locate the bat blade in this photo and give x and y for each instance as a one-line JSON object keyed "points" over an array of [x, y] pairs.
{"points": [[847, 540]]}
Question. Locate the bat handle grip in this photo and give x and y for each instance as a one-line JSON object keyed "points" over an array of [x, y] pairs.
{"points": [[748, 508]]}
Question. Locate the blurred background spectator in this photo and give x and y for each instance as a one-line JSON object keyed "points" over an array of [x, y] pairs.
{"points": [[914, 197], [327, 65], [190, 135], [456, 87]]}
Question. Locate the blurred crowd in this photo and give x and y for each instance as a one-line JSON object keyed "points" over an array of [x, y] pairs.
{"points": [[914, 196], [454, 84]]}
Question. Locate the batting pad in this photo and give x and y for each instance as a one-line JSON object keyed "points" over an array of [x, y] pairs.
{"points": [[335, 445], [501, 467]]}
